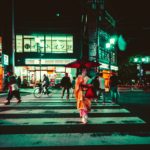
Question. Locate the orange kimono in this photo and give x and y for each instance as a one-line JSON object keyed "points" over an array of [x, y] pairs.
{"points": [[83, 103]]}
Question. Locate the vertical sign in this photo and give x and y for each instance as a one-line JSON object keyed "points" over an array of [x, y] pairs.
{"points": [[0, 49]]}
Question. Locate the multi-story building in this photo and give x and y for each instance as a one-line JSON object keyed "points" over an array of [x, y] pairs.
{"points": [[102, 38], [42, 41]]}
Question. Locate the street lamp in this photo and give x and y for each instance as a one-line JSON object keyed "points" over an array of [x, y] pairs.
{"points": [[38, 42]]}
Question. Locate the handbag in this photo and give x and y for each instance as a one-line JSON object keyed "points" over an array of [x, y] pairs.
{"points": [[90, 93], [14, 87]]}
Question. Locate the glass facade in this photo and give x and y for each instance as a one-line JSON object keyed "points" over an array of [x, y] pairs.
{"points": [[54, 43]]}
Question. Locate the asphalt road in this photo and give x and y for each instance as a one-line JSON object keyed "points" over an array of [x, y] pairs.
{"points": [[45, 123]]}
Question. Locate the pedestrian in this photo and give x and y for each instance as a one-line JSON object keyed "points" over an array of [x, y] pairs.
{"points": [[19, 81], [83, 102], [114, 88], [96, 86], [13, 89], [102, 88], [66, 84]]}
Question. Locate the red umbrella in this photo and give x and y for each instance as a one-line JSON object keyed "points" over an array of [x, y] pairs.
{"points": [[82, 64]]}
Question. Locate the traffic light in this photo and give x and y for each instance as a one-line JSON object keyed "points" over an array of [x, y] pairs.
{"points": [[141, 59], [111, 42], [108, 45], [136, 59]]}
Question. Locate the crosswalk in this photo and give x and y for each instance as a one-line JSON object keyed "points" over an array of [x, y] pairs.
{"points": [[50, 123]]}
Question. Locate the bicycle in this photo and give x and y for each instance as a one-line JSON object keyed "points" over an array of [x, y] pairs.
{"points": [[39, 91]]}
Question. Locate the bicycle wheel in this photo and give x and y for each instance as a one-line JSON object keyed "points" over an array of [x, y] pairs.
{"points": [[37, 93]]}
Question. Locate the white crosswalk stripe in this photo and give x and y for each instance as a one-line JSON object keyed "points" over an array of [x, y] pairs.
{"points": [[46, 117]]}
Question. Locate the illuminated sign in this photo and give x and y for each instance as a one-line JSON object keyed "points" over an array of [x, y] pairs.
{"points": [[5, 59], [52, 43], [106, 66], [48, 61], [60, 69]]}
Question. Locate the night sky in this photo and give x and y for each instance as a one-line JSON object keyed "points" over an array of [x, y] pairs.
{"points": [[133, 21], [132, 17]]}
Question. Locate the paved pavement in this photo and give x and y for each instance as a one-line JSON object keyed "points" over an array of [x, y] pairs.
{"points": [[54, 123]]}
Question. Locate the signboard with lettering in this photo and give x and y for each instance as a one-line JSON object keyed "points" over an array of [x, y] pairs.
{"points": [[5, 59]]}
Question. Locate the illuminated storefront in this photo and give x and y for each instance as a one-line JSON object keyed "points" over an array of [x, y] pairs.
{"points": [[37, 55], [31, 74], [104, 68]]}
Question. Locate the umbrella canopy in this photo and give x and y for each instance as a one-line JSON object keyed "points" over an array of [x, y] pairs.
{"points": [[82, 64]]}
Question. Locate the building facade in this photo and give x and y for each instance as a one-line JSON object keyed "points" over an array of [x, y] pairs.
{"points": [[38, 44]]}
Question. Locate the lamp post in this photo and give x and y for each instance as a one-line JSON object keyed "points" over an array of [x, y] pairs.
{"points": [[37, 40]]}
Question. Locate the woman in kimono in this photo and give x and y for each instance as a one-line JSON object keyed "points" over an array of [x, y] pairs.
{"points": [[83, 103]]}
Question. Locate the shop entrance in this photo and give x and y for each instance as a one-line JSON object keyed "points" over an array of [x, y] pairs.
{"points": [[30, 75]]}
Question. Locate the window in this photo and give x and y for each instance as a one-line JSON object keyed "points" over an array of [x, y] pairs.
{"points": [[19, 43], [33, 45], [48, 44], [55, 43], [58, 44], [69, 44], [27, 45]]}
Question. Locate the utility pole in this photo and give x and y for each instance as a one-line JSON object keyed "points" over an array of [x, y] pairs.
{"points": [[13, 38]]}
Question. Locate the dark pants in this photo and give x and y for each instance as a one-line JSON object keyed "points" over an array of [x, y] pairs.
{"points": [[63, 91], [102, 92], [16, 94], [114, 94], [46, 87]]}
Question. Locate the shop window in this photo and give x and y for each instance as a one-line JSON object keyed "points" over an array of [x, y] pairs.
{"points": [[69, 44], [33, 45], [48, 44], [19, 47], [27, 45], [58, 44]]}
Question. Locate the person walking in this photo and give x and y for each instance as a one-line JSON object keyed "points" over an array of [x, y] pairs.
{"points": [[83, 102], [19, 81], [66, 84], [102, 88], [13, 89], [96, 86], [114, 88]]}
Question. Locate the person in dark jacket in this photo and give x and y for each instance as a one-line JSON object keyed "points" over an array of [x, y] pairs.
{"points": [[66, 84], [13, 89], [114, 88], [96, 86], [19, 81]]}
